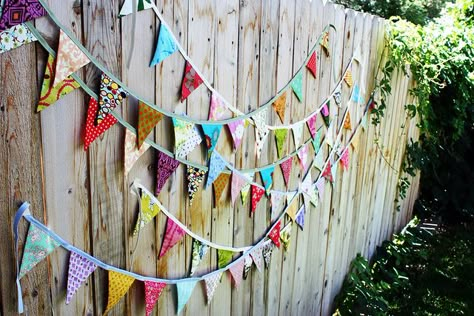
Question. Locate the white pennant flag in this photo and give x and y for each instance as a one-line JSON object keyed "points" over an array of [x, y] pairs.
{"points": [[297, 133], [261, 131]]}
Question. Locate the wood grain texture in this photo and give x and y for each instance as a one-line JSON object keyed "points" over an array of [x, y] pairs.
{"points": [[248, 50]]}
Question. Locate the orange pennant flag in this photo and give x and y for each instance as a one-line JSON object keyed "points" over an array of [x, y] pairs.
{"points": [[219, 185], [118, 285], [348, 78], [347, 122], [279, 106], [147, 120]]}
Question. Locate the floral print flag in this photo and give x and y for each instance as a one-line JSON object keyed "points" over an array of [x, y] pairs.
{"points": [[187, 137], [236, 129], [165, 47], [15, 37], [80, 268], [195, 177], [191, 81]]}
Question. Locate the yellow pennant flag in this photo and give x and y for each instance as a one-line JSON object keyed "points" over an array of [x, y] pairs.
{"points": [[118, 285], [292, 210], [348, 78], [148, 210]]}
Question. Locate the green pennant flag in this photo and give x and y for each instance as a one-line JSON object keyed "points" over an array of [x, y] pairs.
{"points": [[224, 257], [280, 137], [297, 85]]}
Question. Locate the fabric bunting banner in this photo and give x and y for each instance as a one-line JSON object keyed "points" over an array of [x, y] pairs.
{"points": [[38, 246], [317, 140], [147, 120], [345, 159], [79, 270], [257, 258], [127, 7], [347, 121], [276, 199], [356, 97], [184, 289], [199, 251], [118, 286], [311, 65], [15, 37], [237, 272], [261, 131], [292, 208], [148, 210], [49, 93], [327, 172], [334, 171], [312, 125], [319, 160], [338, 98], [297, 86], [165, 46], [93, 131], [300, 217], [280, 137], [174, 233], [238, 182], [111, 95], [297, 133], [279, 105], [307, 184], [153, 291], [217, 164], [191, 81], [132, 153], [248, 262], [236, 129], [187, 137], [211, 285], [324, 42], [224, 257], [303, 155], [211, 133], [166, 167], [219, 185], [19, 11], [325, 112], [257, 194], [244, 192], [195, 177], [285, 236], [348, 78], [217, 109], [267, 178], [286, 167], [69, 59], [274, 234], [320, 185], [330, 134], [267, 253]]}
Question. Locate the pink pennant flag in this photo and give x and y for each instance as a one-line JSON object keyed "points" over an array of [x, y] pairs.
{"points": [[217, 110], [152, 293], [211, 285], [257, 194], [327, 172], [286, 169], [257, 258], [276, 199], [237, 271], [306, 184], [191, 81], [174, 233], [320, 184], [166, 166], [325, 110], [345, 159], [303, 157], [274, 234], [312, 125], [236, 129], [237, 184], [80, 269]]}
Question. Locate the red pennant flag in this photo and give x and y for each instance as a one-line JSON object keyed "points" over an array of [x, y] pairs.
{"points": [[274, 234], [237, 271], [152, 293], [257, 194], [327, 172], [93, 131], [345, 159], [286, 169], [174, 233], [311, 65], [191, 81]]}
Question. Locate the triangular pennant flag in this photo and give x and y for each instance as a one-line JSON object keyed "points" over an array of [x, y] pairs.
{"points": [[330, 135], [355, 140], [224, 257], [338, 97], [355, 97], [38, 246], [15, 37], [364, 121], [199, 251], [348, 78], [267, 178], [312, 124], [195, 177], [186, 137], [317, 140], [257, 194], [319, 160], [300, 217], [148, 210], [297, 86], [217, 110], [184, 289], [236, 129], [132, 153], [285, 237], [111, 95], [118, 286], [212, 282], [261, 131], [327, 172], [290, 197], [297, 133], [219, 185], [279, 105], [320, 185], [334, 171], [93, 131], [166, 166], [217, 164], [347, 121], [244, 192], [286, 169], [238, 181], [324, 42], [307, 184], [267, 253], [165, 46], [80, 268], [49, 93], [127, 7], [237, 272], [280, 137], [325, 112], [212, 133], [147, 120], [70, 58], [345, 159], [257, 258], [311, 65], [291, 209], [303, 157], [152, 293], [174, 233], [276, 199], [19, 11], [274, 234], [306, 201], [247, 266], [191, 81]]}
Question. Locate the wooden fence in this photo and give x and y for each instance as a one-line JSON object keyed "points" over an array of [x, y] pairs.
{"points": [[248, 50]]}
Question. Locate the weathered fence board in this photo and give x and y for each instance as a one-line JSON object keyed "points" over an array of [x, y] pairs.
{"points": [[248, 50]]}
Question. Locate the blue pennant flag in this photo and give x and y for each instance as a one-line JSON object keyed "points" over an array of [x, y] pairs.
{"points": [[267, 178], [184, 289], [216, 166], [165, 46], [212, 133]]}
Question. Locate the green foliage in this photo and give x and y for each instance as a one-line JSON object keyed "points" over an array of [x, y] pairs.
{"points": [[414, 274]]}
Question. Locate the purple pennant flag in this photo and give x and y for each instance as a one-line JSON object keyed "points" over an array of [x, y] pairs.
{"points": [[300, 217], [166, 166], [19, 11], [80, 269]]}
